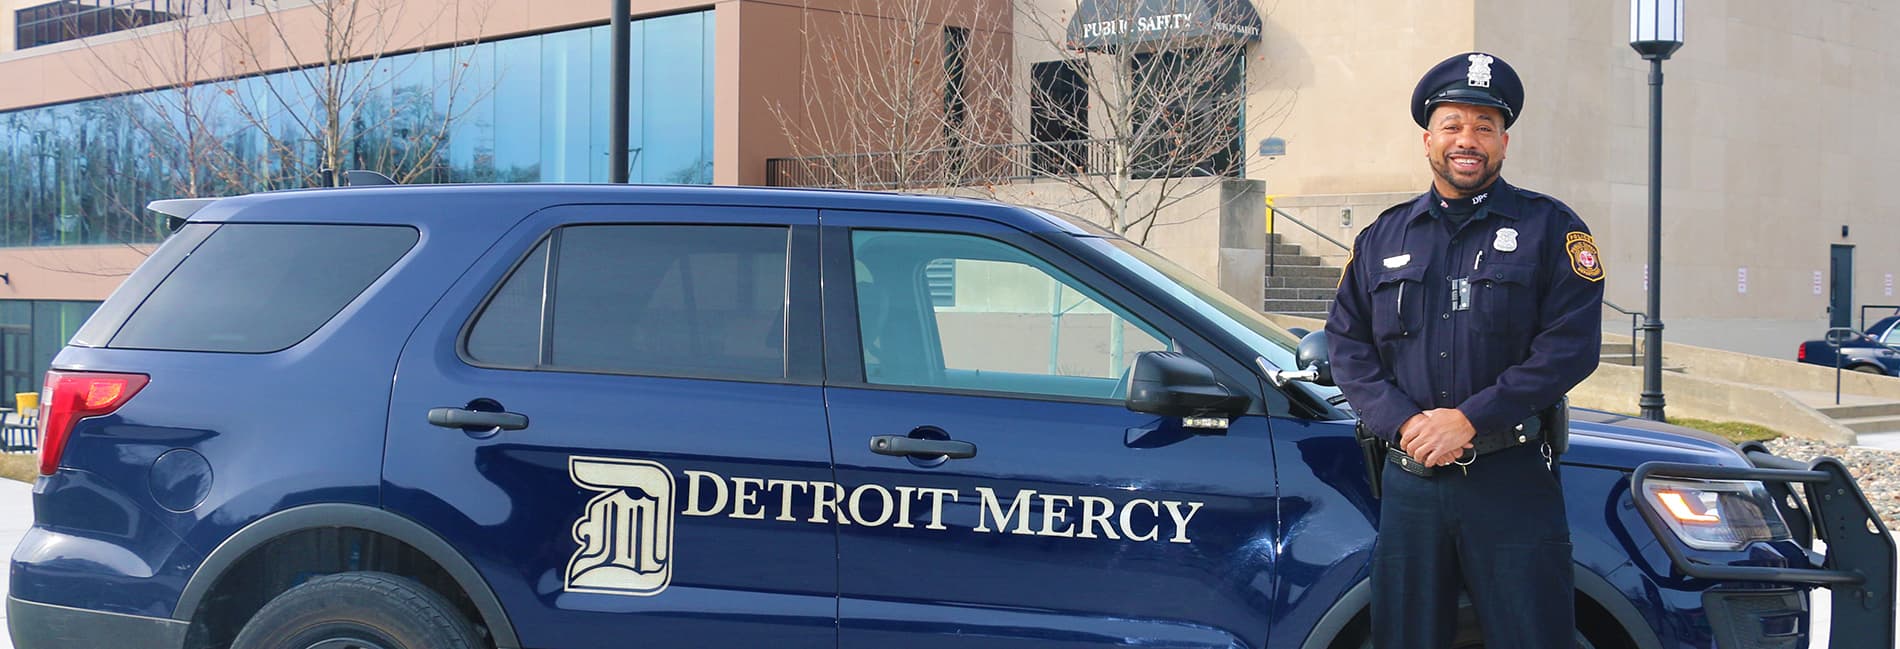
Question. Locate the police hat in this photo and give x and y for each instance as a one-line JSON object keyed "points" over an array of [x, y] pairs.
{"points": [[1472, 78]]}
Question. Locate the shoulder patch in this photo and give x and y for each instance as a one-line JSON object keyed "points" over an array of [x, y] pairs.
{"points": [[1583, 256]]}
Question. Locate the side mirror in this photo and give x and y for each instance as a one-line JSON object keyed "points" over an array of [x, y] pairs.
{"points": [[1298, 331], [1314, 359], [1171, 384], [1314, 354]]}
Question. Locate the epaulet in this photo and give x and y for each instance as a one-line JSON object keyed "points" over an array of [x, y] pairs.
{"points": [[1538, 197]]}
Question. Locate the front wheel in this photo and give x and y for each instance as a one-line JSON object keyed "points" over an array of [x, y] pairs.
{"points": [[1868, 369], [359, 610]]}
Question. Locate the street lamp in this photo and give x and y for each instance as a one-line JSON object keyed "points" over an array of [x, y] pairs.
{"points": [[1655, 33]]}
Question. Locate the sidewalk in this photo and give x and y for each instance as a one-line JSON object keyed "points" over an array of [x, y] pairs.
{"points": [[16, 515]]}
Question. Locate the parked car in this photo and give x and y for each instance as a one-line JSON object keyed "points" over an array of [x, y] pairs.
{"points": [[1872, 352], [596, 416]]}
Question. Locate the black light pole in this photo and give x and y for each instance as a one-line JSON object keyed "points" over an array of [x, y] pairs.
{"points": [[617, 143], [1655, 33]]}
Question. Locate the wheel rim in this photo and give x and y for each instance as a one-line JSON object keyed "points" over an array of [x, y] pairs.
{"points": [[346, 643]]}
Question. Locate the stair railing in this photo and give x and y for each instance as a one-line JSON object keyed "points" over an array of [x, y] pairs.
{"points": [[1274, 213], [1635, 318]]}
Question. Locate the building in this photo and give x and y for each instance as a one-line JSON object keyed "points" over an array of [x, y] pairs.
{"points": [[1774, 151]]}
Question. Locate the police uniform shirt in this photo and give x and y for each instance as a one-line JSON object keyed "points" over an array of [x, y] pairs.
{"points": [[1497, 316]]}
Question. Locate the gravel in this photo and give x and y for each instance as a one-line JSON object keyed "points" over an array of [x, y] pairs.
{"points": [[1877, 470]]}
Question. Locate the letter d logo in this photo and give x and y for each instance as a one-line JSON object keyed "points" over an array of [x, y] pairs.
{"points": [[626, 534]]}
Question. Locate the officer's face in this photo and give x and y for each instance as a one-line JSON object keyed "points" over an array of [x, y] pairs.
{"points": [[1465, 145]]}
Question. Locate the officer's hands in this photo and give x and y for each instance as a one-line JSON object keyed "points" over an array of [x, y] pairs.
{"points": [[1437, 437]]}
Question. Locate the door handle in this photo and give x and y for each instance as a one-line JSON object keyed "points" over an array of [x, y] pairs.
{"points": [[922, 448], [477, 420]]}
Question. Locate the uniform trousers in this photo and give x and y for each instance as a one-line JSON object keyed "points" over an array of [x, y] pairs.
{"points": [[1497, 531]]}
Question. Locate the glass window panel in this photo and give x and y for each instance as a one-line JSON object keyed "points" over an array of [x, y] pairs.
{"points": [[672, 87], [518, 103], [1016, 324], [706, 301], [600, 48], [567, 96], [307, 273]]}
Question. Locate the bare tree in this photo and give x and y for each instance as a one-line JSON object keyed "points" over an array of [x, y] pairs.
{"points": [[1164, 97], [266, 94], [1141, 115], [894, 94]]}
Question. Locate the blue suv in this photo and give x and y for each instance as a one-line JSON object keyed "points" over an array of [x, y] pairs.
{"points": [[559, 417]]}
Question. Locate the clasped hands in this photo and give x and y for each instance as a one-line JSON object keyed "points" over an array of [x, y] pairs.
{"points": [[1436, 437]]}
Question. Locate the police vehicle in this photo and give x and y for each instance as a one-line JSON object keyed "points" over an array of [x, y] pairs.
{"points": [[559, 417]]}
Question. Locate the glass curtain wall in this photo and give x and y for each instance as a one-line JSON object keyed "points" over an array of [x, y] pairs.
{"points": [[31, 332], [527, 109]]}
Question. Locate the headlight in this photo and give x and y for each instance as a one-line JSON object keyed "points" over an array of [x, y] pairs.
{"points": [[1717, 514]]}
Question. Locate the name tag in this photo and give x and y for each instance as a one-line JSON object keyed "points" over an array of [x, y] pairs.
{"points": [[1398, 261]]}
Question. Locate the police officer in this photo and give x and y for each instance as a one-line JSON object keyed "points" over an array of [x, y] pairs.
{"points": [[1462, 316]]}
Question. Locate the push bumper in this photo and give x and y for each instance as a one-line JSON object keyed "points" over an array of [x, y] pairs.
{"points": [[45, 626], [1859, 566]]}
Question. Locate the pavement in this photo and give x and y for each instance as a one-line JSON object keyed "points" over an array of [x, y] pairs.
{"points": [[16, 515]]}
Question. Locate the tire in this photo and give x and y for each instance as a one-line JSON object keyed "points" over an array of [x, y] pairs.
{"points": [[1868, 369], [358, 610]]}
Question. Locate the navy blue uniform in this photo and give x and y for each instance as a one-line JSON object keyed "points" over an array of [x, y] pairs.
{"points": [[1497, 316], [1531, 332]]}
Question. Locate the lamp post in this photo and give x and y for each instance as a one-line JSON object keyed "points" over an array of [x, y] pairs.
{"points": [[1655, 33]]}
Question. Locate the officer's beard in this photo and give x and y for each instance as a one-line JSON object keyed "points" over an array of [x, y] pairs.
{"points": [[1441, 165]]}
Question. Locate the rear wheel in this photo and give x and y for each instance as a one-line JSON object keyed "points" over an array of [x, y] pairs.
{"points": [[1869, 369], [358, 610]]}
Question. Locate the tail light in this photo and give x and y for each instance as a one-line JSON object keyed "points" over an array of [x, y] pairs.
{"points": [[72, 396], [1801, 353]]}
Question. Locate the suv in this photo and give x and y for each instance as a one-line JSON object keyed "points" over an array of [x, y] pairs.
{"points": [[590, 416]]}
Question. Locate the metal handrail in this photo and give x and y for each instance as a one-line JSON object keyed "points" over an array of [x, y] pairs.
{"points": [[1635, 322], [1865, 307], [1272, 214]]}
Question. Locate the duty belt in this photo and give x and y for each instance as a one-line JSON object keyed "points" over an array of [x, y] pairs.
{"points": [[1529, 431]]}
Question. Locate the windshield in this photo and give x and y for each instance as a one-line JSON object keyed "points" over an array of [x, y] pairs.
{"points": [[1265, 338]]}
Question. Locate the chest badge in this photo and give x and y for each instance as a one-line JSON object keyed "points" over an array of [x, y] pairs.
{"points": [[1506, 241]]}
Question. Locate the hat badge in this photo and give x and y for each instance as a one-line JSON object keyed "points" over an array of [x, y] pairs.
{"points": [[1479, 74]]}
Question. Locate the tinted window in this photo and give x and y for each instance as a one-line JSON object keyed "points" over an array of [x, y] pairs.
{"points": [[262, 288], [663, 299], [509, 330], [133, 290]]}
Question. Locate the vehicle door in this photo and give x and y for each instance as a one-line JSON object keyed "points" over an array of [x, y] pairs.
{"points": [[1074, 522], [602, 416]]}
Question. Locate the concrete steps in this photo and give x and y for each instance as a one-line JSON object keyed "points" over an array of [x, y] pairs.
{"points": [[1297, 283], [1860, 414]]}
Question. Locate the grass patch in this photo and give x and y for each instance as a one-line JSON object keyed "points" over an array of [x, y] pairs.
{"points": [[20, 466], [1734, 431]]}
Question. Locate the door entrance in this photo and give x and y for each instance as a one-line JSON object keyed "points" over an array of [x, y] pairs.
{"points": [[1840, 296]]}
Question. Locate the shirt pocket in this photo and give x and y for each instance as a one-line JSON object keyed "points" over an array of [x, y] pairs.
{"points": [[1505, 298], [1398, 305]]}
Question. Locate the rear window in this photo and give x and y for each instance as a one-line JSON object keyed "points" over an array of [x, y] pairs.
{"points": [[256, 288]]}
